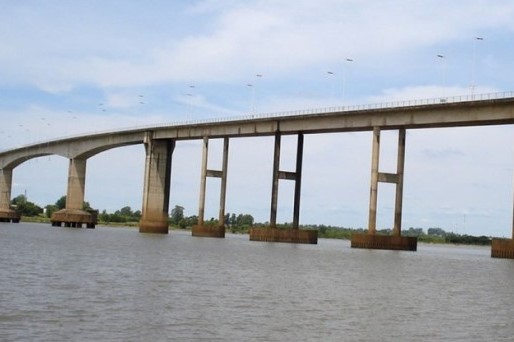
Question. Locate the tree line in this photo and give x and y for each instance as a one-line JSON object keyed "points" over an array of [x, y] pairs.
{"points": [[241, 223]]}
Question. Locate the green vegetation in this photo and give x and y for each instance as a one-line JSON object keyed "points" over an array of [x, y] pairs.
{"points": [[124, 215], [25, 207], [235, 223], [433, 235]]}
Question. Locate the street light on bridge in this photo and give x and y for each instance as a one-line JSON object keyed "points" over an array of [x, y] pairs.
{"points": [[252, 89], [347, 60], [443, 75], [477, 39], [332, 75]]}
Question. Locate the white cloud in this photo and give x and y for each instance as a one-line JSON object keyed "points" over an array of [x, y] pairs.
{"points": [[277, 37]]}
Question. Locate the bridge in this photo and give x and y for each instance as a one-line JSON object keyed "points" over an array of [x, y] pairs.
{"points": [[159, 142]]}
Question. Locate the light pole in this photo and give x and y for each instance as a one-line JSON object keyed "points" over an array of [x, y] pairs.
{"points": [[477, 39], [347, 60], [252, 88], [332, 82], [443, 75]]}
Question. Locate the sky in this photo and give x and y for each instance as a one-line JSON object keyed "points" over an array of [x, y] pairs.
{"points": [[83, 66]]}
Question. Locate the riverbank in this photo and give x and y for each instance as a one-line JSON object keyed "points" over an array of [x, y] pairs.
{"points": [[324, 232]]}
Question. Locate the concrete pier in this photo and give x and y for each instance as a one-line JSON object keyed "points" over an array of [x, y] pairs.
{"points": [[73, 215], [208, 231], [269, 234], [74, 218], [203, 230], [156, 192], [502, 248], [7, 214], [372, 240], [294, 234], [368, 241]]}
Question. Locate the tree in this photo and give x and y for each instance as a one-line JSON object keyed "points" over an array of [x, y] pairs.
{"points": [[50, 209], [61, 203], [177, 215], [25, 207], [233, 220], [126, 211], [244, 220], [436, 231]]}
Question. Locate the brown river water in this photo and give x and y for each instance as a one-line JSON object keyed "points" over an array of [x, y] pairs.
{"points": [[115, 284]]}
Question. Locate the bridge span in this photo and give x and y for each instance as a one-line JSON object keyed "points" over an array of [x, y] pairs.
{"points": [[159, 142]]}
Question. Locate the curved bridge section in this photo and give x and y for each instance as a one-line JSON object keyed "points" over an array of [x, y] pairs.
{"points": [[159, 141]]}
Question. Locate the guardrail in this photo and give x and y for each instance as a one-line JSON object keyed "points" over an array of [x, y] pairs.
{"points": [[312, 111], [351, 108]]}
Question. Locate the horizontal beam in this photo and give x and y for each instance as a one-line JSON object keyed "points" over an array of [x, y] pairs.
{"points": [[214, 173], [388, 177], [287, 175]]}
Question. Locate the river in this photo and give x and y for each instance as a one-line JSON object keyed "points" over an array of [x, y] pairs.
{"points": [[115, 284]]}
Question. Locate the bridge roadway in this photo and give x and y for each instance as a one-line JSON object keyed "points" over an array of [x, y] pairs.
{"points": [[159, 141]]}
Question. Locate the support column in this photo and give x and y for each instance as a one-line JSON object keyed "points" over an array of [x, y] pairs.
{"points": [[298, 182], [209, 230], [73, 215], [372, 240], [203, 181], [272, 233], [223, 190], [76, 184], [274, 184], [157, 182], [373, 198], [400, 167], [6, 213]]}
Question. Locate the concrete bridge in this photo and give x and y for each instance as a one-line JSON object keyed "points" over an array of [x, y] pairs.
{"points": [[159, 142]]}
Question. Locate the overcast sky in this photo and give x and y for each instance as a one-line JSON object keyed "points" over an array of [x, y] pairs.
{"points": [[70, 67]]}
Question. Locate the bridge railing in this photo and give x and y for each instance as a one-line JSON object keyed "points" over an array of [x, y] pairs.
{"points": [[333, 109], [350, 108]]}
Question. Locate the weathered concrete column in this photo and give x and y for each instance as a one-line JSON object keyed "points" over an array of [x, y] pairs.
{"points": [[203, 181], [223, 190], [274, 184], [6, 213], [5, 188], [209, 230], [156, 192], [73, 215], [400, 167], [373, 198], [76, 184], [298, 182], [372, 240], [272, 233]]}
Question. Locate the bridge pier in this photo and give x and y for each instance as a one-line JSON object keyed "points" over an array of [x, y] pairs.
{"points": [[371, 240], [7, 214], [272, 233], [504, 248], [201, 229], [73, 215], [156, 192]]}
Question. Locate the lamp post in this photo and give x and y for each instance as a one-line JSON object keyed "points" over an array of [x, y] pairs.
{"points": [[332, 83], [443, 75], [252, 89], [347, 60], [477, 39]]}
